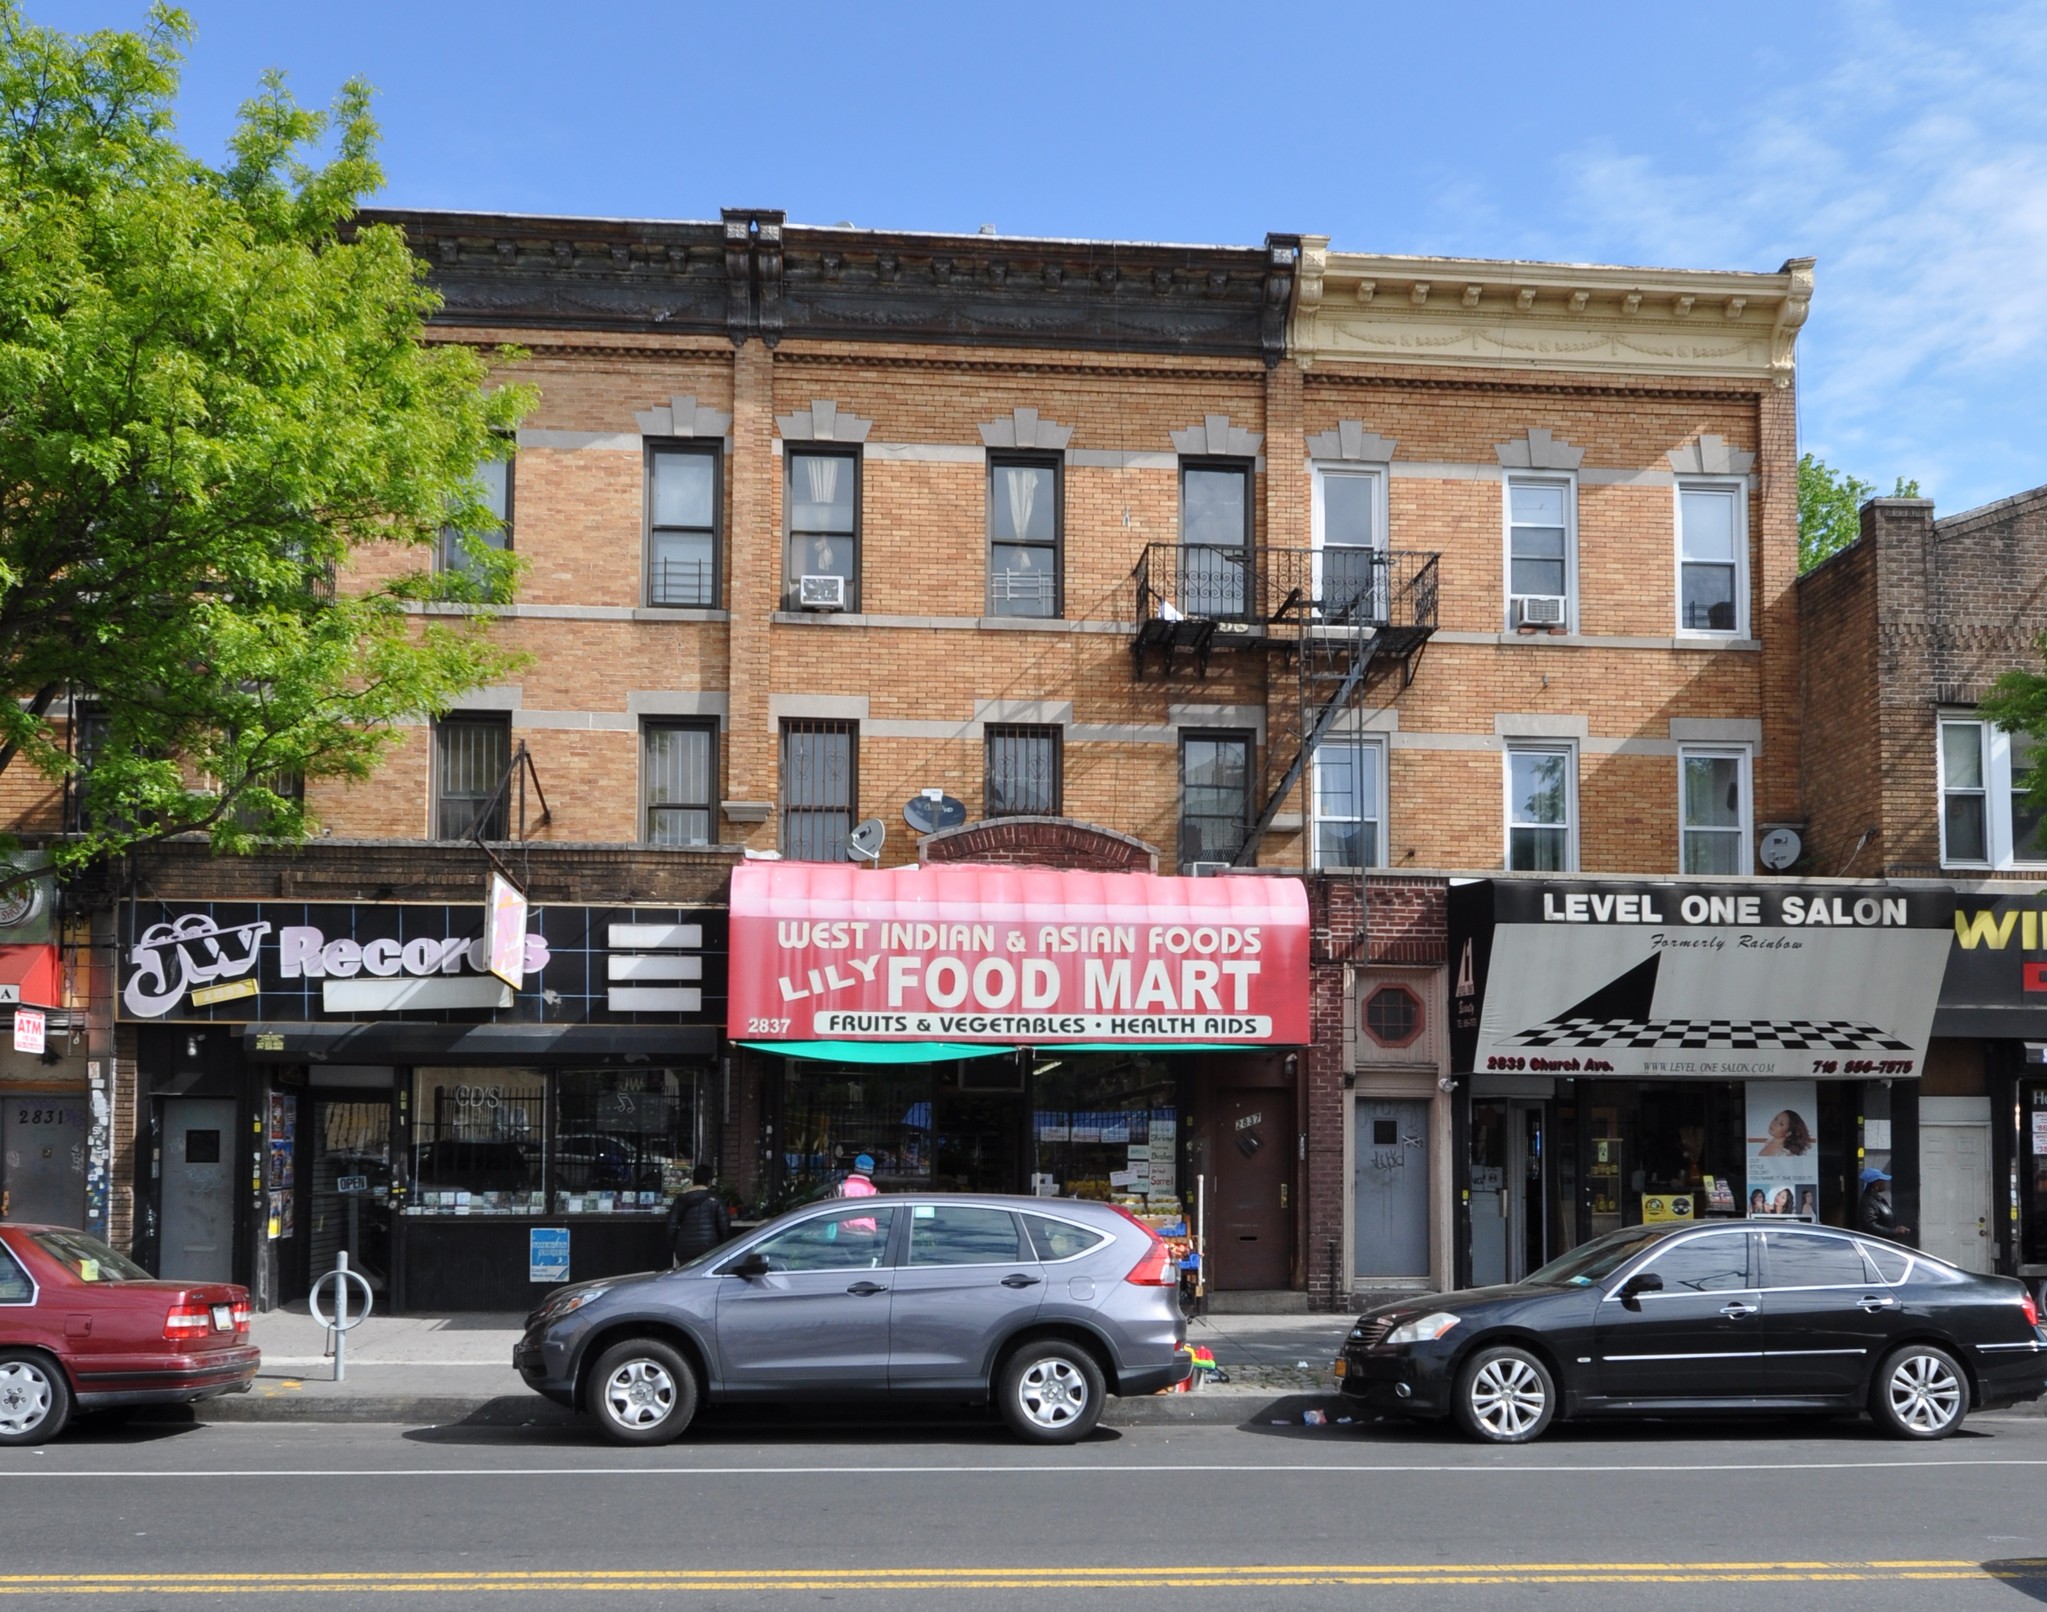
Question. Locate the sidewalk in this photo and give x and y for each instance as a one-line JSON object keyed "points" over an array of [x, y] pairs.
{"points": [[424, 1369]]}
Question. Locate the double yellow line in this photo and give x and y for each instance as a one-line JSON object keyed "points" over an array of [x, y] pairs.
{"points": [[890, 1580]]}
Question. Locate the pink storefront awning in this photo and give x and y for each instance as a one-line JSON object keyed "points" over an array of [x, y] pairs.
{"points": [[968, 953]]}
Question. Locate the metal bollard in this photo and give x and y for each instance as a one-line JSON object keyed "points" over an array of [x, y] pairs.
{"points": [[343, 1322]]}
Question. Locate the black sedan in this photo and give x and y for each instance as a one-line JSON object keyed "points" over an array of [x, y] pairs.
{"points": [[1662, 1320]]}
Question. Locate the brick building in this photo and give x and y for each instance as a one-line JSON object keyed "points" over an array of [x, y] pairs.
{"points": [[1905, 631], [1312, 563]]}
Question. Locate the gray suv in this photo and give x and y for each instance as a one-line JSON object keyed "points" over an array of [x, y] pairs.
{"points": [[1045, 1305]]}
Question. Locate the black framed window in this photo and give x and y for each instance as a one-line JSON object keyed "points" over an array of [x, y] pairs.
{"points": [[1025, 525], [91, 728], [678, 782], [494, 476], [682, 524], [471, 752], [1215, 796], [1215, 536], [822, 499], [1023, 772], [819, 790]]}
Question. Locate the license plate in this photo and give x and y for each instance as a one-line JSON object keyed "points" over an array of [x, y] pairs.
{"points": [[223, 1318]]}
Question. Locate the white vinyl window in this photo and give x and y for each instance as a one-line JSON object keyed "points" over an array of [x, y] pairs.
{"points": [[1349, 801], [1712, 557], [1348, 530], [1542, 543], [1713, 809], [1542, 808], [1985, 818]]}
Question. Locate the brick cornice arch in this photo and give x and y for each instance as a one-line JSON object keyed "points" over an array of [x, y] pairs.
{"points": [[1044, 842]]}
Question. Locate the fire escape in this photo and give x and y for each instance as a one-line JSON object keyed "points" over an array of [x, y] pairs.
{"points": [[1344, 619]]}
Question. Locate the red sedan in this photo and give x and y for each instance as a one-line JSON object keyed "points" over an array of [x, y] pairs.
{"points": [[84, 1328]]}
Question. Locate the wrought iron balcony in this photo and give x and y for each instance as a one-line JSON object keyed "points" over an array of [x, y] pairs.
{"points": [[1193, 597]]}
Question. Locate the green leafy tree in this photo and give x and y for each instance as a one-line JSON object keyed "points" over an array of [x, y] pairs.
{"points": [[226, 451], [1830, 508]]}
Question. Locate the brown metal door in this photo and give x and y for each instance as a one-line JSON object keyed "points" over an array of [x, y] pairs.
{"points": [[1250, 1223]]}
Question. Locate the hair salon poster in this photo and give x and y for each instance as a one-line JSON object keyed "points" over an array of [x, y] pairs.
{"points": [[1783, 1148]]}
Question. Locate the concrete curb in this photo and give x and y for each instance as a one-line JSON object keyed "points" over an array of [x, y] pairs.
{"points": [[1215, 1407]]}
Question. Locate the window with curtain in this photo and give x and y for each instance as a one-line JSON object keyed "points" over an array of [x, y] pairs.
{"points": [[819, 790], [1215, 796], [471, 753], [494, 477], [1215, 539], [1713, 811], [1023, 772], [1540, 808], [682, 525], [1539, 516], [1709, 557], [679, 777], [823, 503], [1348, 774], [1023, 536]]}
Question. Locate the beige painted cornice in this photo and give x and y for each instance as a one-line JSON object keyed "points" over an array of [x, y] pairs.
{"points": [[1581, 318]]}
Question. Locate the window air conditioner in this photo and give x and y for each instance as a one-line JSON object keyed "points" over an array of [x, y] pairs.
{"points": [[1538, 610], [821, 593], [1208, 870]]}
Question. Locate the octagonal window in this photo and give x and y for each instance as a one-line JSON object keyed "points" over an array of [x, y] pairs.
{"points": [[1393, 1016]]}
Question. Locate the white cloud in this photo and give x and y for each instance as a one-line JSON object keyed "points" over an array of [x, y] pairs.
{"points": [[1914, 166]]}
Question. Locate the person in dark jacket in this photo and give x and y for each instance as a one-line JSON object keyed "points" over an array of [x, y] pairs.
{"points": [[697, 1222], [1877, 1215]]}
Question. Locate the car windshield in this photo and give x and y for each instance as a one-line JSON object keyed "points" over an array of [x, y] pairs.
{"points": [[87, 1258], [1596, 1260]]}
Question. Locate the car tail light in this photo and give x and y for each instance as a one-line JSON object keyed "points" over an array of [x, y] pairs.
{"points": [[187, 1321], [241, 1315], [1155, 1268], [2032, 1310]]}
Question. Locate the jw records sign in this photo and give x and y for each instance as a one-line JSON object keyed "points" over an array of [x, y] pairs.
{"points": [[275, 960], [1676, 981]]}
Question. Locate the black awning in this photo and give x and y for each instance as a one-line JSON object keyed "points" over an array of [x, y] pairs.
{"points": [[475, 1043]]}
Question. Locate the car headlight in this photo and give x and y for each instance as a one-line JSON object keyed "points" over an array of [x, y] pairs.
{"points": [[1423, 1329], [568, 1304]]}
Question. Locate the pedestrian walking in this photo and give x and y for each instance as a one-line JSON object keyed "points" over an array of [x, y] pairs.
{"points": [[1877, 1214], [697, 1222], [859, 1183]]}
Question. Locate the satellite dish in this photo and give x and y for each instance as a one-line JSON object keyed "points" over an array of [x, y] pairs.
{"points": [[865, 840], [933, 810], [1780, 849]]}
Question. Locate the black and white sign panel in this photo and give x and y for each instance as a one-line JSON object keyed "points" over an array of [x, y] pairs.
{"points": [[1673, 981], [241, 961]]}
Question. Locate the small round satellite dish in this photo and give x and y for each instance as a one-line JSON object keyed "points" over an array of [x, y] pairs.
{"points": [[865, 840], [1780, 849], [928, 816]]}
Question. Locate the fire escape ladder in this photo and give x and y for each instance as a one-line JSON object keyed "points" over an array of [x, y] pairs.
{"points": [[1334, 663]]}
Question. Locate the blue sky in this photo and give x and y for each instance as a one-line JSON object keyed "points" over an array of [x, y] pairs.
{"points": [[1904, 146]]}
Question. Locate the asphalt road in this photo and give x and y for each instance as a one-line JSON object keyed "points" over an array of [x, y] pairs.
{"points": [[950, 1513]]}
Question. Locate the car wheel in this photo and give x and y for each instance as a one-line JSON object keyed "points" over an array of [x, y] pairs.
{"points": [[35, 1400], [1051, 1392], [642, 1392], [1505, 1396], [1920, 1392]]}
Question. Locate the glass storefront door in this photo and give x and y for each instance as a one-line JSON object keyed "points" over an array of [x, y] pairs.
{"points": [[351, 1186]]}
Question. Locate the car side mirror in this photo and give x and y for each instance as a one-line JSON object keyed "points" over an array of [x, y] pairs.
{"points": [[754, 1264], [1641, 1282]]}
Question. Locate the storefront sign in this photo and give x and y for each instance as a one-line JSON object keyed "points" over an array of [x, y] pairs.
{"points": [[29, 1026], [825, 952], [1783, 1147], [1996, 980], [289, 961], [1708, 981], [505, 906]]}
